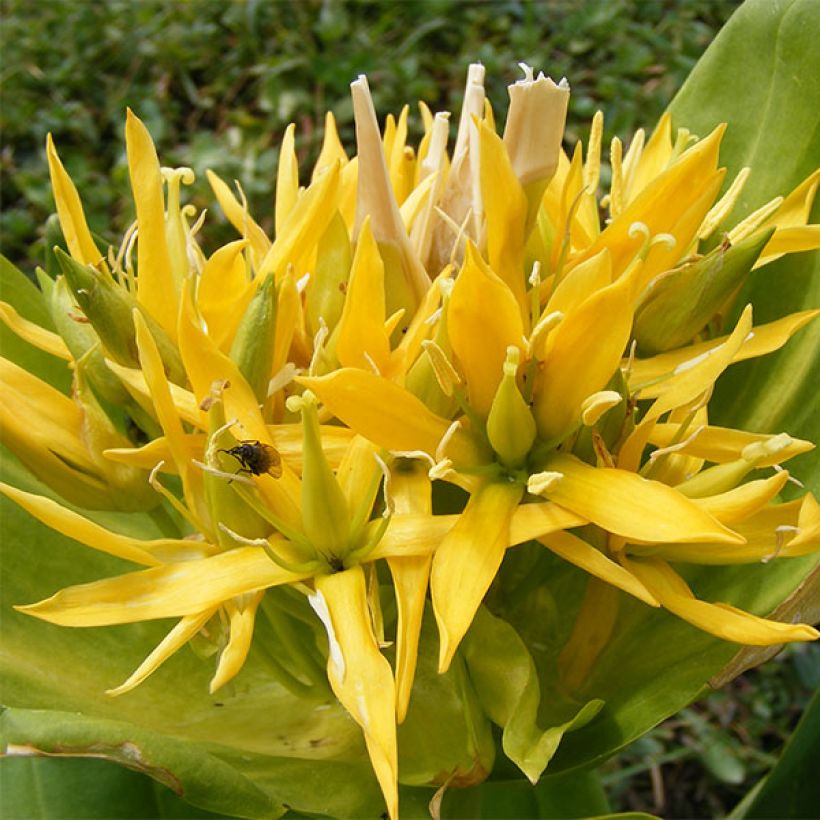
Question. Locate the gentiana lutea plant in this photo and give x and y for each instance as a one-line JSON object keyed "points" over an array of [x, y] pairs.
{"points": [[454, 366]]}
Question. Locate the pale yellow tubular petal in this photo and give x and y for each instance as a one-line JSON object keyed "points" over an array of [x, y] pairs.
{"points": [[186, 629], [387, 414], [170, 591], [691, 378], [534, 520], [724, 205], [287, 178], [306, 224], [483, 320], [78, 237], [661, 203], [151, 363], [33, 333], [789, 240], [239, 217], [585, 350], [467, 560], [332, 149], [412, 493], [75, 526], [763, 339], [505, 206], [722, 444], [348, 186], [156, 289], [650, 160], [359, 674], [184, 400], [725, 621], [432, 164], [206, 365], [362, 340], [242, 615], [584, 555], [580, 283], [410, 535], [224, 292], [590, 634], [626, 504], [737, 505]]}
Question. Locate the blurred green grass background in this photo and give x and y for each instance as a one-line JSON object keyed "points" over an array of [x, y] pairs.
{"points": [[217, 83]]}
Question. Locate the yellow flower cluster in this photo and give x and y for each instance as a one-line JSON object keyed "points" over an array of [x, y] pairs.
{"points": [[421, 315]]}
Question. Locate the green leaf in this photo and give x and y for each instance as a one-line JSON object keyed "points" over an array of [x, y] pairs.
{"points": [[761, 75], [24, 296]]}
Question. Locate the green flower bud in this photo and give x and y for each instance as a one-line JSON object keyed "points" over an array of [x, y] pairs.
{"points": [[680, 302], [252, 347], [325, 515], [510, 425], [109, 309]]}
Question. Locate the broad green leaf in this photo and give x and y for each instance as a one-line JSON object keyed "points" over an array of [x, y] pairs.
{"points": [[24, 296], [761, 75]]}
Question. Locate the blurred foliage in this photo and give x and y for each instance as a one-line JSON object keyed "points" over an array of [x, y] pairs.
{"points": [[218, 82]]}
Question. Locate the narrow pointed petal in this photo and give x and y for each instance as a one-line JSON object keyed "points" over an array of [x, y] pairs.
{"points": [[357, 473], [156, 289], [78, 237], [467, 560], [413, 494], [808, 523], [789, 240], [722, 444], [580, 283], [332, 148], [411, 535], [170, 591], [33, 333], [727, 622], [584, 555], [483, 321], [359, 674], [762, 339], [534, 520], [186, 629], [629, 505], [387, 414], [287, 178], [583, 353], [738, 504], [242, 615]]}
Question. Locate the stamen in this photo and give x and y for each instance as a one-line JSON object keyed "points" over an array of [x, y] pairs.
{"points": [[371, 361], [674, 448], [540, 483], [721, 209], [446, 375], [789, 476], [616, 186], [632, 159], [240, 539], [206, 468], [411, 454], [754, 220], [594, 406], [319, 339], [441, 469], [282, 378], [155, 484], [780, 541], [592, 168], [389, 502], [445, 439], [302, 283]]}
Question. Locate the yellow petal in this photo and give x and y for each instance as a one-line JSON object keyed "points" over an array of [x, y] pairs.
{"points": [[789, 240], [483, 321], [591, 560], [534, 520], [584, 352], [242, 615], [169, 591], [808, 523], [624, 503], [332, 149], [156, 289], [412, 492], [763, 339], [33, 333], [359, 674], [388, 415], [467, 560], [738, 504], [580, 283], [239, 217], [722, 444], [362, 340], [73, 525], [727, 622], [186, 629], [78, 237], [411, 535], [652, 159], [287, 178]]}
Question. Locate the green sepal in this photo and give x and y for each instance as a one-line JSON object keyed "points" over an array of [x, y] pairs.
{"points": [[678, 304], [252, 347], [109, 308], [510, 425]]}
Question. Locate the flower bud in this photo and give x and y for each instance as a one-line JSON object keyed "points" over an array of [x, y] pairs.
{"points": [[510, 425], [109, 309], [679, 303], [252, 347]]}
